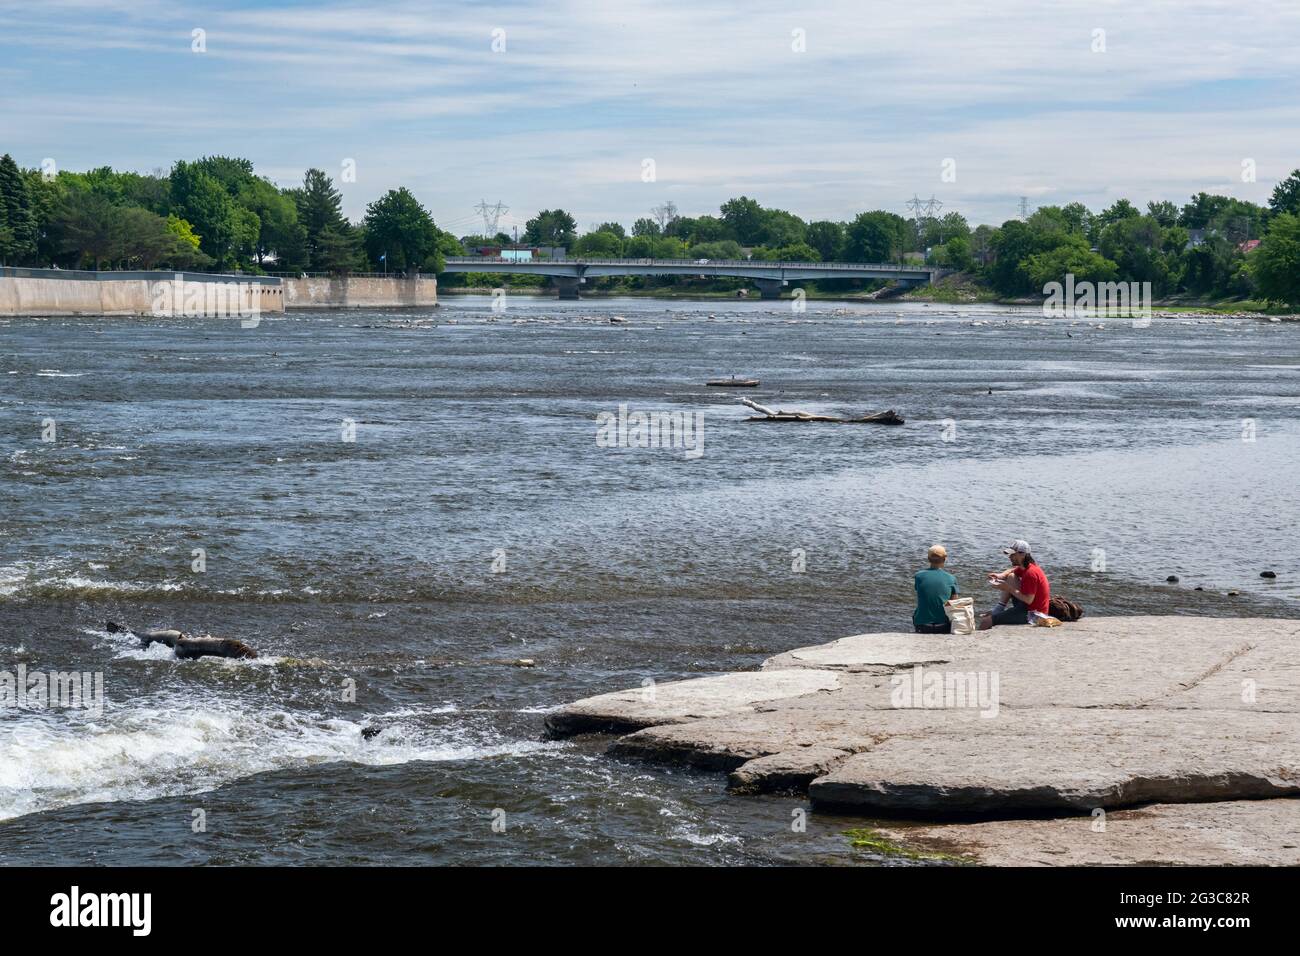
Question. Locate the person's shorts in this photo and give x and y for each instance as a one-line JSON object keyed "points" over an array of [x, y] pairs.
{"points": [[1017, 613], [944, 628]]}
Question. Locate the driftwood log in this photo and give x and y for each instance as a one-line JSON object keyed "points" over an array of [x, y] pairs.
{"points": [[187, 648], [779, 415]]}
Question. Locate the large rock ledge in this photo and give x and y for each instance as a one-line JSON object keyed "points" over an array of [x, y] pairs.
{"points": [[1104, 713], [1239, 832]]}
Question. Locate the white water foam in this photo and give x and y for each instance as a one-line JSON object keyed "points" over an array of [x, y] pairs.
{"points": [[148, 750]]}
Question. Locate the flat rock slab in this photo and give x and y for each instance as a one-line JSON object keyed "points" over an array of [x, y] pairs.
{"points": [[1229, 832], [1105, 712], [1068, 759], [679, 701]]}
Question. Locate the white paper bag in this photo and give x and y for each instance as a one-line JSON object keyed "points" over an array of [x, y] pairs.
{"points": [[961, 611]]}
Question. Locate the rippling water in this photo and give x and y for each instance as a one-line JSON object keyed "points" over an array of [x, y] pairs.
{"points": [[474, 521]]}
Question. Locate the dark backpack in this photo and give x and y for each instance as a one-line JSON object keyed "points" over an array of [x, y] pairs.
{"points": [[1064, 610]]}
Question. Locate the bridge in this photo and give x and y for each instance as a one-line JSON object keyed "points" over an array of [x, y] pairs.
{"points": [[569, 274]]}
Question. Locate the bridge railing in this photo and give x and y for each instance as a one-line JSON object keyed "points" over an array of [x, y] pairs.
{"points": [[727, 263]]}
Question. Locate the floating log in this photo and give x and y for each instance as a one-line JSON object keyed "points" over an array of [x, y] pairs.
{"points": [[780, 415], [188, 648], [732, 382]]}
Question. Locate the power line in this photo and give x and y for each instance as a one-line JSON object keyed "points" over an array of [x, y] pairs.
{"points": [[923, 208], [490, 215]]}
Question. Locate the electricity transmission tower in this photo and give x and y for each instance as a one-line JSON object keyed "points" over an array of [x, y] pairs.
{"points": [[1024, 208], [923, 209], [491, 214]]}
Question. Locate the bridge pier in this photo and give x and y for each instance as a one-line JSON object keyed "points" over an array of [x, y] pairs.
{"points": [[567, 286], [769, 288]]}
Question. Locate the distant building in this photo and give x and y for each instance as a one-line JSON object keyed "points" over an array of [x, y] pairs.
{"points": [[1248, 246]]}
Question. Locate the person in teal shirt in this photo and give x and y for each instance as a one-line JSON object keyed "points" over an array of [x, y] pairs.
{"points": [[934, 585]]}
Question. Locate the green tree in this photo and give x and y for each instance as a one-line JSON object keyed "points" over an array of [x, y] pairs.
{"points": [[85, 228], [17, 216], [780, 228], [1077, 218], [1286, 195], [601, 244], [645, 226], [827, 238], [228, 230], [397, 225], [724, 249], [1163, 212], [551, 227], [1200, 209], [668, 247], [794, 252], [337, 250], [1276, 261], [330, 243], [1012, 244], [1135, 245], [744, 219], [954, 254], [1072, 257], [875, 237], [702, 229]]}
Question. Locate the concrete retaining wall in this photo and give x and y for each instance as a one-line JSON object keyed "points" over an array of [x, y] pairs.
{"points": [[68, 292], [39, 292], [359, 292]]}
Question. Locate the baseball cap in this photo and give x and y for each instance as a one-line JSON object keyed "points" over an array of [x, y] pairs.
{"points": [[937, 551], [1019, 546]]}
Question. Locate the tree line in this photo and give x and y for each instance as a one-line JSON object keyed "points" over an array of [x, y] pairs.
{"points": [[216, 213], [1204, 248]]}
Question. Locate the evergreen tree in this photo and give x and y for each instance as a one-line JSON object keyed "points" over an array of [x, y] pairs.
{"points": [[18, 228], [331, 245]]}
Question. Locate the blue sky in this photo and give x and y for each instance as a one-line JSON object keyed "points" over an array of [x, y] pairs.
{"points": [[1018, 94]]}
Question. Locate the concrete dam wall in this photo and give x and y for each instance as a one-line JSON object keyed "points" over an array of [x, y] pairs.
{"points": [[358, 292], [40, 292]]}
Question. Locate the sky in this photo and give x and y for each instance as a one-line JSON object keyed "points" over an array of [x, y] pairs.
{"points": [[608, 109]]}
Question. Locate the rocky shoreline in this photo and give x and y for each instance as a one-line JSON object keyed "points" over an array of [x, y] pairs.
{"points": [[1106, 741]]}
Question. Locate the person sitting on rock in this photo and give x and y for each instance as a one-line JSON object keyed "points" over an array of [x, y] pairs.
{"points": [[934, 585], [1024, 588]]}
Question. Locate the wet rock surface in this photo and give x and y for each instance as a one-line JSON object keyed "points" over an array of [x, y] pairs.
{"points": [[1019, 722]]}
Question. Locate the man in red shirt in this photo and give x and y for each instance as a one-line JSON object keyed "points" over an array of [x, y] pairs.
{"points": [[1026, 589]]}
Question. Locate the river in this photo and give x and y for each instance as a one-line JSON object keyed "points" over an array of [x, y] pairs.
{"points": [[393, 507]]}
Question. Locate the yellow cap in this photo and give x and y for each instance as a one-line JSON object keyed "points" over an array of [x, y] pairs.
{"points": [[937, 552]]}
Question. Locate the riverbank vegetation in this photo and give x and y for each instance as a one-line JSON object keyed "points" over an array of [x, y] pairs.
{"points": [[217, 214]]}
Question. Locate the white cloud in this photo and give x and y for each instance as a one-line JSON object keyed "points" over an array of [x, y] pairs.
{"points": [[584, 91]]}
